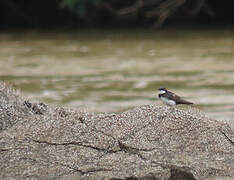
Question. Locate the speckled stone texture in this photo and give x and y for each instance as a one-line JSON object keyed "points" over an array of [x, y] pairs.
{"points": [[148, 142]]}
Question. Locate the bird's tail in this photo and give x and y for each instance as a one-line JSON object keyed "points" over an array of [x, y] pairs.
{"points": [[184, 102]]}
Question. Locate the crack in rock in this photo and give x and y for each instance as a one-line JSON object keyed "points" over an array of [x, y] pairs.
{"points": [[91, 170], [77, 144], [227, 138], [132, 150]]}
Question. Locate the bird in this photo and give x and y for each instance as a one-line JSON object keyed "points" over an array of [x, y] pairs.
{"points": [[171, 98]]}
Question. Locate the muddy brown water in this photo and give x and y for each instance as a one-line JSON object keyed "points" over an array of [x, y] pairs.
{"points": [[113, 70]]}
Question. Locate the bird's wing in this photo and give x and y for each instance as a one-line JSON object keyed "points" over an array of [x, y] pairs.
{"points": [[178, 99], [172, 95]]}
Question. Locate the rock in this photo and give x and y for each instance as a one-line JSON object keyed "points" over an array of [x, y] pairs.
{"points": [[12, 109], [148, 142]]}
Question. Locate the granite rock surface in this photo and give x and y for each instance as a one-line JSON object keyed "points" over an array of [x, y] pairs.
{"points": [[38, 141]]}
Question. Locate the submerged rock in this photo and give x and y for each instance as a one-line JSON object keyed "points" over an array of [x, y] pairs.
{"points": [[148, 142]]}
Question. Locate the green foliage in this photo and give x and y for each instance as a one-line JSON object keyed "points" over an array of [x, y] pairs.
{"points": [[81, 7], [154, 12]]}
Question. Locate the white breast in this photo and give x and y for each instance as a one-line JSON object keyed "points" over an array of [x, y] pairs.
{"points": [[168, 102]]}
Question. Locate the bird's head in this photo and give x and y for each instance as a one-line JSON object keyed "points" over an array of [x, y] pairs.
{"points": [[162, 90]]}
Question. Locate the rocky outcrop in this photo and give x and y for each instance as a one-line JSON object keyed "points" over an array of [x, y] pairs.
{"points": [[148, 142]]}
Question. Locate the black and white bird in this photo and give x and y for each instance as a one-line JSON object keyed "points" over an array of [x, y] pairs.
{"points": [[170, 98]]}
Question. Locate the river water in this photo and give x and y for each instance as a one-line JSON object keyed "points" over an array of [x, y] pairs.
{"points": [[113, 70]]}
